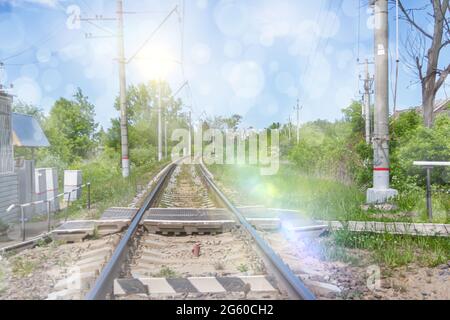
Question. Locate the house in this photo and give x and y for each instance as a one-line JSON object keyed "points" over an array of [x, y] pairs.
{"points": [[17, 177], [441, 107], [8, 178]]}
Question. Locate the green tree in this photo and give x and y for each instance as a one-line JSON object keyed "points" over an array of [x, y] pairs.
{"points": [[424, 144], [29, 109], [71, 128]]}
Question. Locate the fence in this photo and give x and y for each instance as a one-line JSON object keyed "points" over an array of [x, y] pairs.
{"points": [[24, 228]]}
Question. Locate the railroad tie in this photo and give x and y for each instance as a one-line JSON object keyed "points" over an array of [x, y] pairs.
{"points": [[164, 286]]}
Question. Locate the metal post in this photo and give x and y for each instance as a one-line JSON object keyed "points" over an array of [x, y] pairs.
{"points": [[297, 108], [290, 127], [123, 92], [159, 124], [48, 216], [165, 139], [89, 196], [67, 207], [381, 192], [22, 217], [429, 204], [190, 135]]}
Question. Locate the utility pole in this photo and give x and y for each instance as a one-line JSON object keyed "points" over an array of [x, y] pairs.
{"points": [[366, 107], [289, 128], [165, 138], [190, 134], [381, 192], [298, 108], [123, 92], [159, 123]]}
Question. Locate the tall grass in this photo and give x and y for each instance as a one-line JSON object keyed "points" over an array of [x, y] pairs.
{"points": [[316, 197], [396, 250], [108, 187], [323, 198]]}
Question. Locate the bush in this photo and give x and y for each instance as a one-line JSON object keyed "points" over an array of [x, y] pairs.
{"points": [[335, 150], [143, 156], [425, 144], [3, 226]]}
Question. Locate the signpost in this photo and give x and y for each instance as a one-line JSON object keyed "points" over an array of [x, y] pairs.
{"points": [[429, 165]]}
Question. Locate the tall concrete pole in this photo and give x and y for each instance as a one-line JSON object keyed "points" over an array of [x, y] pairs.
{"points": [[190, 134], [367, 115], [381, 192], [123, 92], [165, 139], [297, 108], [159, 123], [290, 127]]}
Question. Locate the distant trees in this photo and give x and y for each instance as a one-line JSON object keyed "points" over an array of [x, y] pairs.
{"points": [[223, 123], [425, 42], [142, 107]]}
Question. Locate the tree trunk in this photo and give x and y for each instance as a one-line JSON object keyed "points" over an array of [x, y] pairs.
{"points": [[433, 78], [428, 98]]}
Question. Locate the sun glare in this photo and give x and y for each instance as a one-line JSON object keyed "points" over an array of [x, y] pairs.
{"points": [[156, 62]]}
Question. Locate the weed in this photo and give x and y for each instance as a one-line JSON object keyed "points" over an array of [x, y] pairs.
{"points": [[22, 267], [243, 268], [57, 243], [3, 226], [95, 234], [166, 272], [43, 243]]}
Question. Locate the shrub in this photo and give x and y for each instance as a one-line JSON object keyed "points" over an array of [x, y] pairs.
{"points": [[143, 156], [425, 144], [3, 226]]}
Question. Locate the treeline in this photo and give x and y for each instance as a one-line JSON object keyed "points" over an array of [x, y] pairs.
{"points": [[76, 138]]}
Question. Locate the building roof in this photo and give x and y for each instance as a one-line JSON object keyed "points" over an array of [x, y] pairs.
{"points": [[27, 132], [440, 106]]}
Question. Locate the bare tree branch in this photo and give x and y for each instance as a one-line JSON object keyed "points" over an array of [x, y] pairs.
{"points": [[442, 78], [445, 43], [411, 21], [419, 69]]}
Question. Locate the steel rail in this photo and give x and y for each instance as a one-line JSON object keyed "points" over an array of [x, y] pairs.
{"points": [[105, 282], [293, 285]]}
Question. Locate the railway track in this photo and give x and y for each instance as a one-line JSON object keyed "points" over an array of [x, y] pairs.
{"points": [[188, 241]]}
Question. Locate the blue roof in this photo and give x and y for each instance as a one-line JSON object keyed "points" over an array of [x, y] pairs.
{"points": [[27, 132]]}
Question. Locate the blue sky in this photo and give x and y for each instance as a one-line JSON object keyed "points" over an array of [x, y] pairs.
{"points": [[252, 57]]}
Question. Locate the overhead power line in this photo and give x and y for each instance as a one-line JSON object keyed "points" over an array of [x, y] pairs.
{"points": [[150, 37], [40, 42]]}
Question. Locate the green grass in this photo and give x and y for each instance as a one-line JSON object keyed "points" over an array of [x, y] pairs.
{"points": [[323, 198], [327, 199], [108, 187], [242, 268], [393, 250], [166, 272], [22, 267], [318, 198]]}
